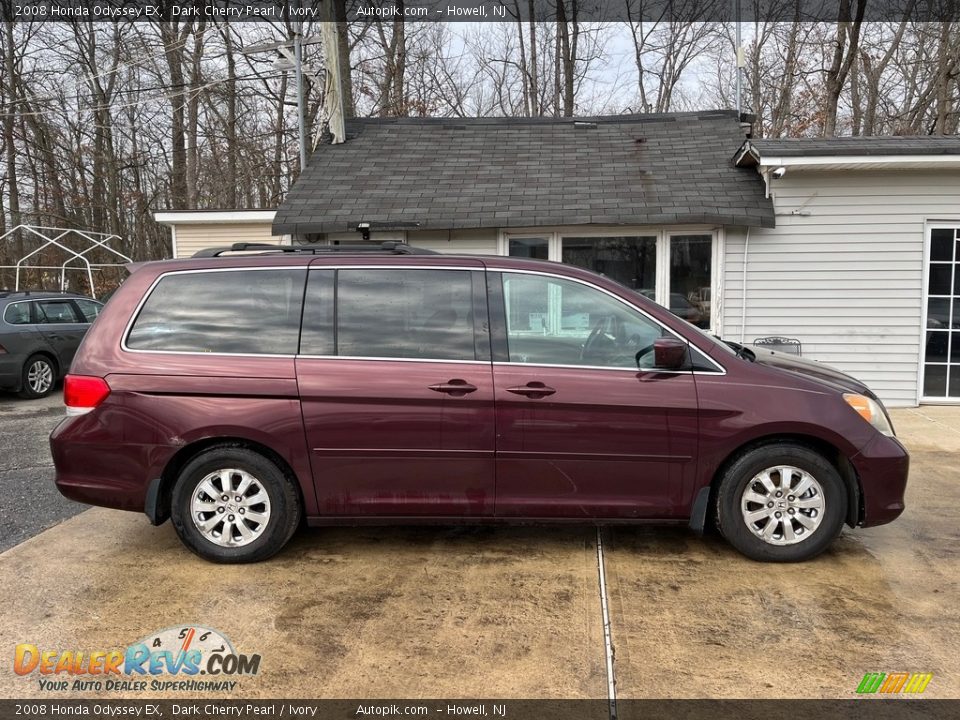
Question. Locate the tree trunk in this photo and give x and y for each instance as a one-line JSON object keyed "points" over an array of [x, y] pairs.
{"points": [[178, 153], [845, 50]]}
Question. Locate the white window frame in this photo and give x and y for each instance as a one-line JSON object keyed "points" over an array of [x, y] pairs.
{"points": [[663, 234], [928, 226]]}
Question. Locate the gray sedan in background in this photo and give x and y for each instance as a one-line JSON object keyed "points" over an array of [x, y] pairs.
{"points": [[39, 335]]}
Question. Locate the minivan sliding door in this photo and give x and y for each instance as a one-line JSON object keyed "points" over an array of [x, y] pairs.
{"points": [[396, 389]]}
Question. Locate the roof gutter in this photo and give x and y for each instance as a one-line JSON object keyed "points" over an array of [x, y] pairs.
{"points": [[798, 161]]}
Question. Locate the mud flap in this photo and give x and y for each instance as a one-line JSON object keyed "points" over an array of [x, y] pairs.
{"points": [[152, 507], [698, 513]]}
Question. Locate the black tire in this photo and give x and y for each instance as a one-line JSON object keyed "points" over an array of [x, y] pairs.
{"points": [[28, 386], [284, 505], [734, 526]]}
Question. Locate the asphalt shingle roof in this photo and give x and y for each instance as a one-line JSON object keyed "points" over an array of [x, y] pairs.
{"points": [[453, 173], [864, 145]]}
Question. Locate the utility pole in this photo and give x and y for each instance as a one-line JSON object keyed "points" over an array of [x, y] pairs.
{"points": [[286, 61], [739, 58], [298, 72]]}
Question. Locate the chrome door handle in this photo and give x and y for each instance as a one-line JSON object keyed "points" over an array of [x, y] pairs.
{"points": [[533, 390], [455, 387]]}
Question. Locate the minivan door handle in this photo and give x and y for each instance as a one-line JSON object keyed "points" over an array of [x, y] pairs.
{"points": [[533, 390], [455, 387]]}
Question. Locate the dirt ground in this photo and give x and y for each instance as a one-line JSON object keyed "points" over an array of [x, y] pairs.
{"points": [[516, 612]]}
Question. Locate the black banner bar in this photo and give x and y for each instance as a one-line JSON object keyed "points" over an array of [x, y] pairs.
{"points": [[584, 11], [865, 708]]}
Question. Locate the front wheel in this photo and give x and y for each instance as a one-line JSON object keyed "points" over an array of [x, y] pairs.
{"points": [[781, 503], [233, 505]]}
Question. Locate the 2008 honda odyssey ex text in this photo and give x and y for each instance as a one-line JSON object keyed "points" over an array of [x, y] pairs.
{"points": [[240, 393]]}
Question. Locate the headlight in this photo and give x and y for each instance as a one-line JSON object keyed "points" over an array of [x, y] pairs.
{"points": [[871, 411]]}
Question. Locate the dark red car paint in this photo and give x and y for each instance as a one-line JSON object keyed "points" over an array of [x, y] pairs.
{"points": [[608, 444]]}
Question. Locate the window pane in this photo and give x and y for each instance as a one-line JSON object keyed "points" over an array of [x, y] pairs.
{"points": [[405, 314], [941, 244], [17, 313], [936, 346], [940, 276], [691, 259], [938, 313], [935, 380], [89, 308], [559, 322], [246, 311], [316, 338], [56, 312], [536, 248], [631, 261]]}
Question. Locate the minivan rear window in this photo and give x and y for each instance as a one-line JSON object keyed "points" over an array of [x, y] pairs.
{"points": [[239, 312]]}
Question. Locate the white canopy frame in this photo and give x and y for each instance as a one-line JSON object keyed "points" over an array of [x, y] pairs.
{"points": [[54, 236]]}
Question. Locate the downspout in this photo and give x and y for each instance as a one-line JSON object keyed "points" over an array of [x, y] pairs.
{"points": [[743, 289]]}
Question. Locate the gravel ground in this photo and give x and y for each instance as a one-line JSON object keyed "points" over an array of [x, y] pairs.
{"points": [[29, 501]]}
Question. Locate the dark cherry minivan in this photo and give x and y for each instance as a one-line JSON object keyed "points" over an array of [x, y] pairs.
{"points": [[241, 393]]}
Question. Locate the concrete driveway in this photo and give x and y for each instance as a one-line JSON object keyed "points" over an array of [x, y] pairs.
{"points": [[506, 612]]}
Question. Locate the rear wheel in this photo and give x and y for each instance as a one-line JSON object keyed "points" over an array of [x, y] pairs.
{"points": [[781, 503], [233, 505], [39, 377]]}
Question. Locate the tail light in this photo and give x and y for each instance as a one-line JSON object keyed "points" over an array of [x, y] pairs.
{"points": [[82, 393]]}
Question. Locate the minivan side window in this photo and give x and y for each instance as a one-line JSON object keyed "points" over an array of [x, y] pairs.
{"points": [[89, 308], [17, 313], [316, 337], [253, 312], [405, 313], [552, 321], [56, 312]]}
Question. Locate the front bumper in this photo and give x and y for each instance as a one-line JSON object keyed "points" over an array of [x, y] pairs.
{"points": [[882, 467]]}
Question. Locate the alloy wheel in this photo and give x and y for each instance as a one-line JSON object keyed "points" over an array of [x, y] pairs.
{"points": [[230, 507], [40, 377], [783, 505]]}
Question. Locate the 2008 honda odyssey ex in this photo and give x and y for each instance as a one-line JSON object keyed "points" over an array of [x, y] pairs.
{"points": [[240, 393]]}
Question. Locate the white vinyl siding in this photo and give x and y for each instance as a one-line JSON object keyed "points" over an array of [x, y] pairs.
{"points": [[846, 279], [194, 237], [470, 242]]}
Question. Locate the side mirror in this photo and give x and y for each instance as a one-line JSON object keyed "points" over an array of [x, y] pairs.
{"points": [[669, 353]]}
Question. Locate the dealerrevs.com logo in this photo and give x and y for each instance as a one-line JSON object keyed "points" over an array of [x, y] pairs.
{"points": [[173, 660]]}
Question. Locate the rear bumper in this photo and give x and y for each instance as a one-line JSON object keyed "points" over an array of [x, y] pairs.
{"points": [[882, 466], [93, 468]]}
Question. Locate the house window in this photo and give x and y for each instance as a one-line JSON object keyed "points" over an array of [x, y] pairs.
{"points": [[941, 351], [631, 261], [673, 268], [537, 248], [691, 273]]}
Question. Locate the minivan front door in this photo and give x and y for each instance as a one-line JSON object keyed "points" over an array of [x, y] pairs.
{"points": [[582, 433], [396, 389]]}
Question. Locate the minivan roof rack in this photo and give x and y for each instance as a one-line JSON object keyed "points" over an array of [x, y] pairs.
{"points": [[391, 247]]}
